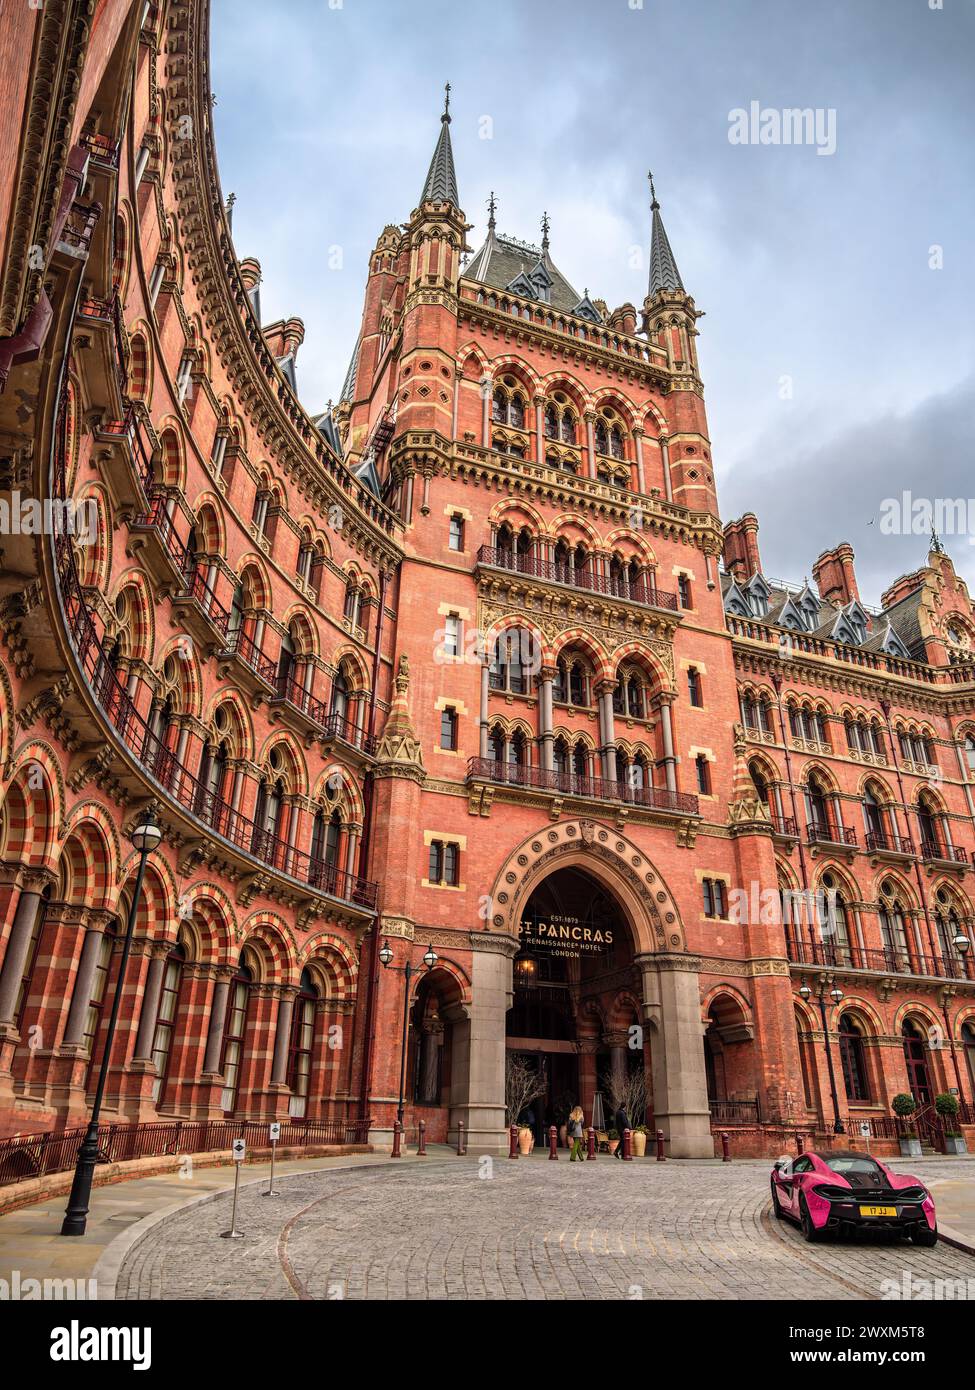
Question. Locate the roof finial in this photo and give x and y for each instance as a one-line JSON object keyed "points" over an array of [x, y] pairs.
{"points": [[545, 227], [446, 102], [936, 545], [653, 194], [492, 205]]}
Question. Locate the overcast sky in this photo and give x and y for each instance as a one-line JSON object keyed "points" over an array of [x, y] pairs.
{"points": [[838, 364]]}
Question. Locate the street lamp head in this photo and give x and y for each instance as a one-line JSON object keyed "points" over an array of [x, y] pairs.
{"points": [[147, 834], [961, 943], [430, 958], [804, 991], [836, 994], [386, 953]]}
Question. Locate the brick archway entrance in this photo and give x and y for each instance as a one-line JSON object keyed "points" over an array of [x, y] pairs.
{"points": [[669, 993]]}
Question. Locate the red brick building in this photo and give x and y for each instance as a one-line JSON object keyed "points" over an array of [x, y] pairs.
{"points": [[468, 662]]}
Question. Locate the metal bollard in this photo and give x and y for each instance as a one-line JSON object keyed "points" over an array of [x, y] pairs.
{"points": [[513, 1142], [397, 1139], [800, 1144], [461, 1139], [627, 1145], [421, 1148], [553, 1142], [725, 1149], [590, 1142], [660, 1146]]}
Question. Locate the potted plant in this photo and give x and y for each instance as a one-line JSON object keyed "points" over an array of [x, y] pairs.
{"points": [[639, 1141], [524, 1082], [948, 1107], [904, 1107], [612, 1140]]}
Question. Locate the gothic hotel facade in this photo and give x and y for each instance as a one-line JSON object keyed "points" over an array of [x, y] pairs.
{"points": [[468, 662]]}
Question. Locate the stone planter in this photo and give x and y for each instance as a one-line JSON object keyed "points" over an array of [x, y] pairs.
{"points": [[612, 1145], [639, 1143], [955, 1144], [910, 1146]]}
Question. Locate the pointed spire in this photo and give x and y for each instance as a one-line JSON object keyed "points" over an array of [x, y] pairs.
{"points": [[664, 274], [545, 230], [492, 205], [441, 184]]}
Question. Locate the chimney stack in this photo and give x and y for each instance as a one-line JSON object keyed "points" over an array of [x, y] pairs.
{"points": [[835, 576], [741, 555]]}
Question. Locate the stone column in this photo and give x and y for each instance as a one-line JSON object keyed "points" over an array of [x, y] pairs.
{"points": [[640, 477], [672, 1009], [545, 717], [478, 1047], [665, 461], [590, 444], [218, 1014], [607, 728], [282, 1037], [539, 429], [18, 946], [150, 1006], [484, 725], [670, 762], [485, 385], [74, 1029]]}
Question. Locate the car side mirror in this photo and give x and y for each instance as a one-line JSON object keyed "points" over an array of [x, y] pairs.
{"points": [[778, 1165]]}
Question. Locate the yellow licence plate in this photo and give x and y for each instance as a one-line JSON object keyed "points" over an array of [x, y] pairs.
{"points": [[878, 1211]]}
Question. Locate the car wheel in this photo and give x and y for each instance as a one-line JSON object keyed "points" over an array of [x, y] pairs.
{"points": [[925, 1236], [810, 1232], [777, 1211]]}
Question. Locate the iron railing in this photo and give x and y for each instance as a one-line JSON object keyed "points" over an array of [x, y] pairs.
{"points": [[885, 960], [893, 844], [734, 1112], [949, 853], [239, 644], [641, 590], [27, 1156], [574, 784], [821, 832]]}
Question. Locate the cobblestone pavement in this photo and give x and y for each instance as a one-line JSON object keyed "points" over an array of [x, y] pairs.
{"points": [[529, 1230]]}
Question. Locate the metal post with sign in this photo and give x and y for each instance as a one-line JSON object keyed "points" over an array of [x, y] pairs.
{"points": [[239, 1150], [275, 1135]]}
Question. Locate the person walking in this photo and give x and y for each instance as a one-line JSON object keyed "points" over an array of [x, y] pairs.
{"points": [[575, 1132], [622, 1125]]}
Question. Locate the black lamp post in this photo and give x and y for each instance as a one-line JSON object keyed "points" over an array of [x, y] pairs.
{"points": [[145, 837], [836, 994], [409, 970]]}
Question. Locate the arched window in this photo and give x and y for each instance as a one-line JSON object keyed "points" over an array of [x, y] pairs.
{"points": [[852, 1060], [834, 923], [301, 1050], [932, 829], [96, 1000], [235, 1034], [507, 670], [819, 807], [169, 997], [893, 928], [874, 820], [970, 755]]}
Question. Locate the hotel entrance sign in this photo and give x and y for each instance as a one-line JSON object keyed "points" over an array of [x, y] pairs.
{"points": [[559, 935]]}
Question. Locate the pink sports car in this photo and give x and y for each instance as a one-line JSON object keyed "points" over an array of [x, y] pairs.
{"points": [[843, 1191]]}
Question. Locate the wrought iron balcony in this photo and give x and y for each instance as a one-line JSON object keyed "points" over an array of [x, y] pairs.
{"points": [[945, 854], [247, 651], [633, 591], [887, 960], [826, 833], [883, 842], [573, 784]]}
